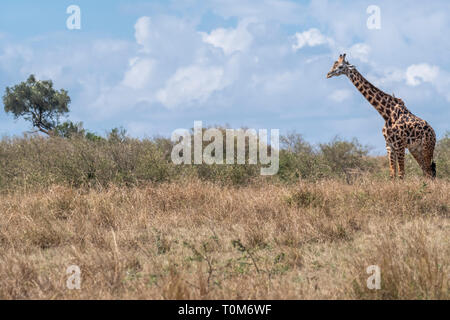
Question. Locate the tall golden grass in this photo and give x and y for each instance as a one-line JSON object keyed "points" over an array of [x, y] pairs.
{"points": [[194, 239]]}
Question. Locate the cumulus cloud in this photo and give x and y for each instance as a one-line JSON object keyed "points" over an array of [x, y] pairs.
{"points": [[139, 73], [284, 11], [312, 37], [191, 84], [158, 68], [230, 40], [240, 56], [415, 75], [15, 56], [390, 76], [421, 73], [360, 51], [418, 73], [167, 38]]}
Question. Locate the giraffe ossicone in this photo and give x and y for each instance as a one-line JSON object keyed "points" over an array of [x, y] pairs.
{"points": [[401, 130]]}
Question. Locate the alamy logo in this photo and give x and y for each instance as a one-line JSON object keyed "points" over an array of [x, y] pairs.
{"points": [[74, 280], [213, 152], [74, 20], [374, 20], [374, 281]]}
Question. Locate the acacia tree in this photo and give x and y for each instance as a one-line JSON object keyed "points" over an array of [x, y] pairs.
{"points": [[38, 102]]}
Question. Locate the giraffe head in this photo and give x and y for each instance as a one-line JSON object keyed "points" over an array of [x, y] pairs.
{"points": [[341, 66]]}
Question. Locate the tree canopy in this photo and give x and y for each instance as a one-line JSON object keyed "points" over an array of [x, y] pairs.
{"points": [[38, 102]]}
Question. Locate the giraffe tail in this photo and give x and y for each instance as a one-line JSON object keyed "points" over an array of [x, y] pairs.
{"points": [[433, 169]]}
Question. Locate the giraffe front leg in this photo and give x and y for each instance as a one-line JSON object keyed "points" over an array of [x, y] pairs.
{"points": [[392, 162], [401, 162]]}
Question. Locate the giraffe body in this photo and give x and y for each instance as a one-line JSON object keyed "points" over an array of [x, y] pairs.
{"points": [[415, 134], [402, 130]]}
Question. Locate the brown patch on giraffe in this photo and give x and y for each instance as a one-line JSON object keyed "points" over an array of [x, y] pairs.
{"points": [[402, 128]]}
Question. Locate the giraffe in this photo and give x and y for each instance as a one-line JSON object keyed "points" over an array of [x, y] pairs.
{"points": [[401, 130]]}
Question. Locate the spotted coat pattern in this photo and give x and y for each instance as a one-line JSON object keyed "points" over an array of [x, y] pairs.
{"points": [[402, 129]]}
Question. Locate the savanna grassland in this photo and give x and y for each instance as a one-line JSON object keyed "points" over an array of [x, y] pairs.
{"points": [[141, 228]]}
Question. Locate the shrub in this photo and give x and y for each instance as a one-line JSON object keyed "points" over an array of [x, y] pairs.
{"points": [[442, 156], [345, 158], [77, 158]]}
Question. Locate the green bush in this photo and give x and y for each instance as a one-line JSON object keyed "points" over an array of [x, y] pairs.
{"points": [[81, 160], [442, 156], [336, 159], [346, 158]]}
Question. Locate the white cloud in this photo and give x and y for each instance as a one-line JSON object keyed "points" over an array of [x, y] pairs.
{"points": [[360, 51], [109, 46], [284, 11], [168, 37], [340, 95], [390, 76], [275, 84], [193, 84], [230, 40], [14, 55], [417, 73], [139, 74], [312, 37]]}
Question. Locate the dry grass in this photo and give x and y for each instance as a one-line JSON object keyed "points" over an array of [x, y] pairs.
{"points": [[199, 240]]}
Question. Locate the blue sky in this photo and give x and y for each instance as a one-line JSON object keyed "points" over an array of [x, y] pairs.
{"points": [[155, 66]]}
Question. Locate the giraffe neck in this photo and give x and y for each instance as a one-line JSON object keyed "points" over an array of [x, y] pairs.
{"points": [[386, 105]]}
